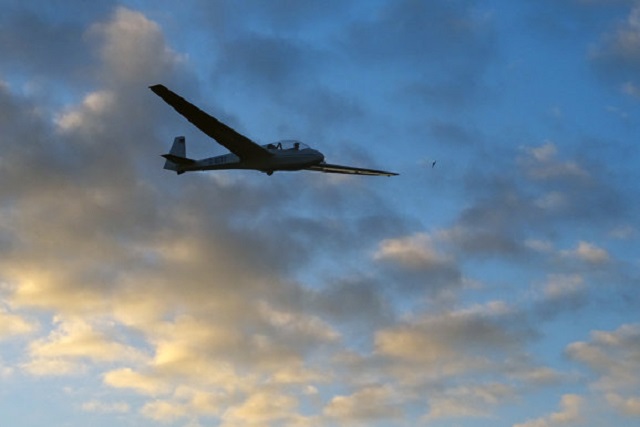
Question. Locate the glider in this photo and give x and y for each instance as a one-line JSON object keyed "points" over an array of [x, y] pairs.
{"points": [[286, 155]]}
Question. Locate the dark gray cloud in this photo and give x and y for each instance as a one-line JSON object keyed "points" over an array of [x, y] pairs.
{"points": [[49, 47], [616, 55]]}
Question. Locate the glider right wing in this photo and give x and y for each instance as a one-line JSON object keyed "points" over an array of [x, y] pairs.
{"points": [[233, 141], [349, 170]]}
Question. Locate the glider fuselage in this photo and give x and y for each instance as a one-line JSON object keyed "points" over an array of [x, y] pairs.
{"points": [[282, 159]]}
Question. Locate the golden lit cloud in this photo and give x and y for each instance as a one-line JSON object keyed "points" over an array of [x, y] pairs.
{"points": [[144, 384], [73, 343], [13, 324], [302, 300], [261, 408]]}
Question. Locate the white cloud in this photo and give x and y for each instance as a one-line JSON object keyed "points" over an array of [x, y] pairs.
{"points": [[545, 152], [144, 384], [538, 376], [368, 404], [613, 355], [76, 338], [414, 251], [626, 41], [469, 401], [623, 232], [553, 200], [72, 343], [299, 323], [588, 252], [569, 414], [13, 324], [544, 246], [5, 371], [87, 114], [133, 48], [618, 52], [53, 367], [560, 286], [541, 163], [261, 408], [438, 346], [629, 406], [164, 411]]}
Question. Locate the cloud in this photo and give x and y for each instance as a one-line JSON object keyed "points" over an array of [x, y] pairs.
{"points": [[416, 251], [538, 376], [444, 47], [419, 264], [569, 414], [259, 409], [626, 405], [542, 164], [299, 324], [13, 324], [468, 401], [127, 378], [631, 89], [586, 252], [53, 367], [43, 49], [74, 341], [560, 294], [5, 371], [528, 203], [452, 343], [623, 232], [616, 55], [623, 44], [305, 301], [612, 355], [133, 49], [164, 411], [560, 286], [94, 104], [369, 404], [589, 253]]}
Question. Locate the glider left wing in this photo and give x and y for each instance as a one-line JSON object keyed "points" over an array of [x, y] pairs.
{"points": [[233, 141], [329, 168]]}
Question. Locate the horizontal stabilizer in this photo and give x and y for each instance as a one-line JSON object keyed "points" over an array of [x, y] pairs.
{"points": [[178, 160]]}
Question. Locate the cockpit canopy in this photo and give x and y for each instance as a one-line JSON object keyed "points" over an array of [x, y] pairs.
{"points": [[287, 144]]}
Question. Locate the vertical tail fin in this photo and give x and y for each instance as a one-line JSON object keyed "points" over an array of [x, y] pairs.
{"points": [[177, 157]]}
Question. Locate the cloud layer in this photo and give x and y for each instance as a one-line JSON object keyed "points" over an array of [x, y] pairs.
{"points": [[450, 294]]}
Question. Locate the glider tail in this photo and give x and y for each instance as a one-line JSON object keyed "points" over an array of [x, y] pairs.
{"points": [[177, 157]]}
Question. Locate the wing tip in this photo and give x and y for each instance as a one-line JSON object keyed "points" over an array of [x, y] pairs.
{"points": [[157, 87]]}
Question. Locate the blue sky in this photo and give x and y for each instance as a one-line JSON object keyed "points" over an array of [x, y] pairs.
{"points": [[498, 288]]}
